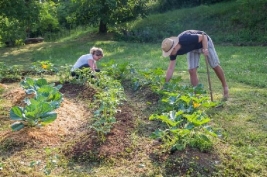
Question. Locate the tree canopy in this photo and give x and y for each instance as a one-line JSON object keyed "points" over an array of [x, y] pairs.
{"points": [[21, 19], [30, 18], [105, 13]]}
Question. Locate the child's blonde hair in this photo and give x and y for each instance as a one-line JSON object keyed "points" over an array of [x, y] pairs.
{"points": [[96, 51]]}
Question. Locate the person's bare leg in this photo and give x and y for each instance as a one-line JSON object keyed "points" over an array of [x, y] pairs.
{"points": [[220, 74], [193, 76]]}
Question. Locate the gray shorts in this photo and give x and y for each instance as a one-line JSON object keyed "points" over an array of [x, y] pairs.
{"points": [[194, 56]]}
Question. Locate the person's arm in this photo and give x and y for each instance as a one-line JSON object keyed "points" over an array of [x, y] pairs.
{"points": [[170, 70], [95, 67], [92, 64], [204, 40]]}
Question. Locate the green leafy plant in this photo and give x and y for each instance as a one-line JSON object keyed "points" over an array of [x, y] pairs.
{"points": [[39, 110], [64, 74], [148, 77], [10, 73], [43, 67], [117, 71], [181, 110], [106, 103], [185, 121]]}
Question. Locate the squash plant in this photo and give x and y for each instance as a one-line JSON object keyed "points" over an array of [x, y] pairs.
{"points": [[186, 123], [39, 109], [181, 111], [42, 67]]}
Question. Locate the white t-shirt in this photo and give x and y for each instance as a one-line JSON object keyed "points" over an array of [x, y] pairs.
{"points": [[82, 61]]}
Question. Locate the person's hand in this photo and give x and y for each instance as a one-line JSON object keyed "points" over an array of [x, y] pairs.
{"points": [[205, 52]]}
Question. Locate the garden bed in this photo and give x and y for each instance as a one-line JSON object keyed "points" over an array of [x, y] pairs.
{"points": [[71, 135]]}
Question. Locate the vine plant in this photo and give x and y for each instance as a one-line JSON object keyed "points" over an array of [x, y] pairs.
{"points": [[185, 121]]}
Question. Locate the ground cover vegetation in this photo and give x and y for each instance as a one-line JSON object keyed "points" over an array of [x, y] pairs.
{"points": [[125, 121]]}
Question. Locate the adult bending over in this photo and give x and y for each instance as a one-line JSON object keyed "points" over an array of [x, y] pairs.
{"points": [[88, 61], [193, 43]]}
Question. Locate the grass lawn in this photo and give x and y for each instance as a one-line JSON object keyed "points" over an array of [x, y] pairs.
{"points": [[242, 149]]}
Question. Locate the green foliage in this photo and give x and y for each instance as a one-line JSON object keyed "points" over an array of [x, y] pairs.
{"points": [[240, 20], [106, 103], [105, 13], [10, 73], [48, 21], [146, 77], [185, 118], [109, 97], [116, 70], [166, 5], [38, 110], [10, 33], [64, 73], [182, 111], [43, 67], [19, 17], [22, 19]]}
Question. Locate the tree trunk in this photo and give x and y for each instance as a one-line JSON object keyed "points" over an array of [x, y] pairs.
{"points": [[102, 27]]}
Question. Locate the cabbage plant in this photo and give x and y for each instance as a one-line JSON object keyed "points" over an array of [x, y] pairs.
{"points": [[39, 110]]}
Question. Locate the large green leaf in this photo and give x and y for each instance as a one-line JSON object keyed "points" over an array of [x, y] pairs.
{"points": [[41, 82], [58, 87], [166, 118], [197, 119], [41, 98], [209, 104], [189, 126], [186, 99], [55, 104], [45, 90], [45, 107], [172, 100], [27, 83], [31, 115], [16, 113], [36, 109], [50, 93], [48, 117], [17, 126], [57, 96], [180, 132]]}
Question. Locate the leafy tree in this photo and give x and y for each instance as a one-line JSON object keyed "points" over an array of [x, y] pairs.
{"points": [[107, 12], [18, 18], [48, 20], [27, 18]]}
